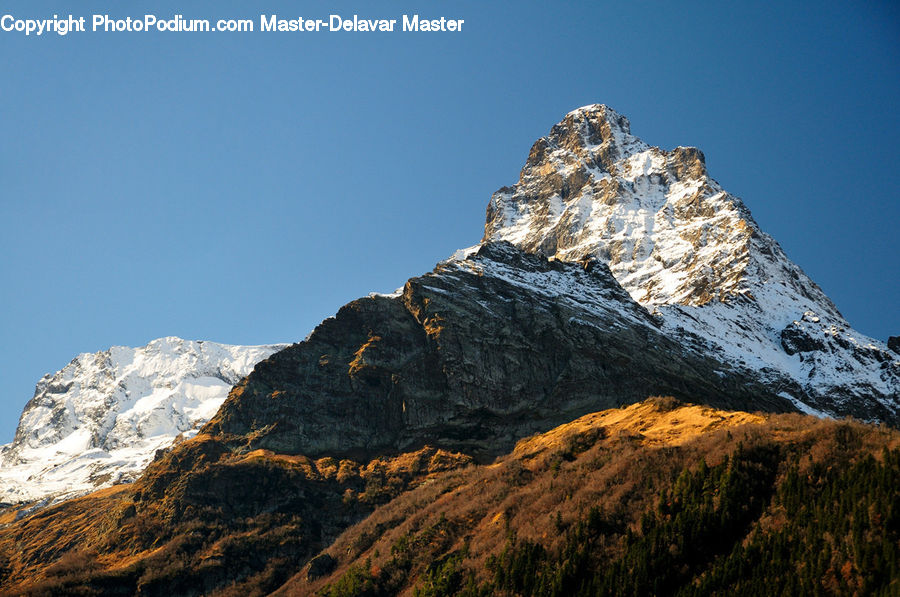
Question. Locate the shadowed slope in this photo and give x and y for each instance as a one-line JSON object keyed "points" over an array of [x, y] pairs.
{"points": [[489, 347]]}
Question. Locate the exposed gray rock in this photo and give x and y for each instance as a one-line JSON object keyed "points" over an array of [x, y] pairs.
{"points": [[894, 343], [479, 353], [795, 339], [319, 566]]}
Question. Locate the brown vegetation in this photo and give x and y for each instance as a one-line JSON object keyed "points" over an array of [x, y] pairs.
{"points": [[616, 462], [231, 523], [210, 518]]}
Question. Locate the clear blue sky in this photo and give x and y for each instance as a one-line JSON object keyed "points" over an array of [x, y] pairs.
{"points": [[240, 188]]}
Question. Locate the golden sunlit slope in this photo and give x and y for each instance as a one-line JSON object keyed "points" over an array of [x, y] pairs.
{"points": [[455, 533], [242, 521], [649, 420], [602, 490]]}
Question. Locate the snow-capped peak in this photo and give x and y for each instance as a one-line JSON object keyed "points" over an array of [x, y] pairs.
{"points": [[101, 418], [669, 232], [690, 252]]}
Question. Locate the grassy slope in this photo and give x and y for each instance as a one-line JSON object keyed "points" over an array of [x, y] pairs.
{"points": [[595, 493], [615, 491]]}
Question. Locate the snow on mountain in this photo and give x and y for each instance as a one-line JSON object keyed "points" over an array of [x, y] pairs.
{"points": [[101, 419], [687, 251], [691, 253]]}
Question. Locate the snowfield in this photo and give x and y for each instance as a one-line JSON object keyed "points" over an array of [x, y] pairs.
{"points": [[101, 419]]}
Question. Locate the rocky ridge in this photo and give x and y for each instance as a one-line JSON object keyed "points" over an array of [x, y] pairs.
{"points": [[610, 271], [494, 344]]}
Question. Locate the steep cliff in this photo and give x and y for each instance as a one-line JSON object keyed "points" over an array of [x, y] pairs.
{"points": [[494, 344]]}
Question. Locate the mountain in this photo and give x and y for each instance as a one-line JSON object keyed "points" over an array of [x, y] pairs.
{"points": [[493, 345], [610, 272], [100, 419], [691, 253], [519, 370]]}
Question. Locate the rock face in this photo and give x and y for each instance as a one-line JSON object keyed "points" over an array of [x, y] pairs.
{"points": [[691, 253], [669, 233], [493, 345], [894, 343], [100, 419]]}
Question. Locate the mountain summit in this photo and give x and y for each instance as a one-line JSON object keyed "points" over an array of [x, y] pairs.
{"points": [[669, 233], [611, 271], [691, 253]]}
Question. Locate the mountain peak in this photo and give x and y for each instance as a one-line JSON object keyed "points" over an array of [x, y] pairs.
{"points": [[594, 135], [669, 232], [597, 116], [598, 119], [689, 252]]}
